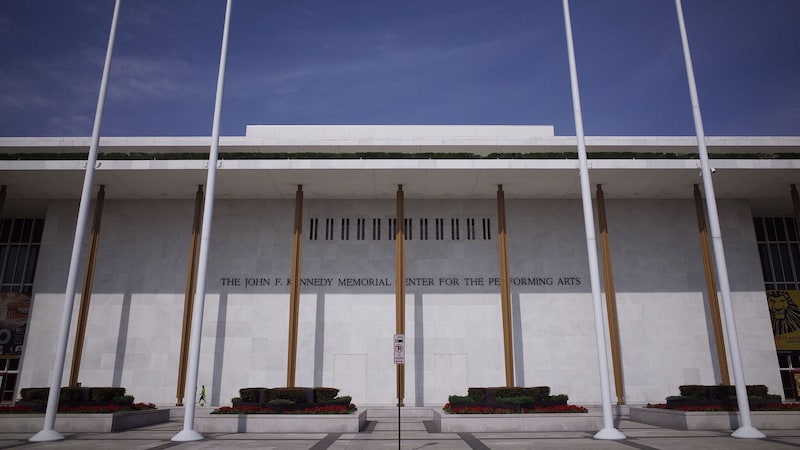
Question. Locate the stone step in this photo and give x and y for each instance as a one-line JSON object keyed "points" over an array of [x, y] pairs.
{"points": [[404, 426], [406, 412]]}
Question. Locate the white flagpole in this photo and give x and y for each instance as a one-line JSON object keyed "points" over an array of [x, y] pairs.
{"points": [[746, 429], [608, 431], [48, 432], [190, 394]]}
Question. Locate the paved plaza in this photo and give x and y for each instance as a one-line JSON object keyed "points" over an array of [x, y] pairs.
{"points": [[415, 434]]}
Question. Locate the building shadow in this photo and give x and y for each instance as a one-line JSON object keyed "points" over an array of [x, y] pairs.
{"points": [[319, 340], [219, 349], [516, 331], [122, 339]]}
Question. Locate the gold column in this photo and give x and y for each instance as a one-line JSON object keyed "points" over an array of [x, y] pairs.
{"points": [[505, 286], [711, 287], [188, 299], [294, 289], [611, 298], [86, 293], [795, 202], [400, 287]]}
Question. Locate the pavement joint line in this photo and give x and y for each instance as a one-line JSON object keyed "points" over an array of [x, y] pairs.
{"points": [[778, 441], [165, 445], [19, 444]]}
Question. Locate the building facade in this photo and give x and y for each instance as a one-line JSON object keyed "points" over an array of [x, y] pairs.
{"points": [[455, 184]]}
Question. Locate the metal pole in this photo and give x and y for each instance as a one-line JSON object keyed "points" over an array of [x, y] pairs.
{"points": [[746, 430], [400, 286], [48, 432], [608, 431], [188, 433]]}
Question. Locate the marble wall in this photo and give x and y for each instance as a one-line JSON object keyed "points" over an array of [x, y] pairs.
{"points": [[347, 312]]}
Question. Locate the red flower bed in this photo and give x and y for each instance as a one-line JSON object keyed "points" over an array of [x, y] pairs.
{"points": [[88, 409], [317, 409], [555, 409], [9, 409], [96, 409], [699, 408], [475, 410], [467, 409]]}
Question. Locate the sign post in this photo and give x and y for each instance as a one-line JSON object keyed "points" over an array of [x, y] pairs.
{"points": [[399, 358]]}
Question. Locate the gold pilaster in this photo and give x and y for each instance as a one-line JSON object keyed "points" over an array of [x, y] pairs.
{"points": [[795, 202], [611, 298], [294, 289], [505, 287], [400, 286], [711, 287], [188, 299], [86, 292]]}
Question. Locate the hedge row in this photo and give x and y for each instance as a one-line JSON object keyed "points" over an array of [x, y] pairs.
{"points": [[263, 396], [718, 392], [73, 395]]}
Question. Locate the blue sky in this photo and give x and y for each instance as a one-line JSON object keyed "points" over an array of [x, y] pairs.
{"points": [[409, 62]]}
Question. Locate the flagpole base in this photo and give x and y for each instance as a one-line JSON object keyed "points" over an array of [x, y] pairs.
{"points": [[186, 436], [46, 436], [609, 434], [748, 433]]}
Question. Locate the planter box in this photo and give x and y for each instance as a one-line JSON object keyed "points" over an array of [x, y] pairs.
{"points": [[477, 423], [280, 423], [81, 423], [715, 420]]}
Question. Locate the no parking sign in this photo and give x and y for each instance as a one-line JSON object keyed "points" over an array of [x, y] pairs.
{"points": [[399, 349]]}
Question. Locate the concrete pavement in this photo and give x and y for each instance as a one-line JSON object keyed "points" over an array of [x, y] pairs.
{"points": [[415, 433]]}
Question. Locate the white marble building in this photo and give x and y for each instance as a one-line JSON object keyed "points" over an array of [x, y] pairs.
{"points": [[347, 298]]}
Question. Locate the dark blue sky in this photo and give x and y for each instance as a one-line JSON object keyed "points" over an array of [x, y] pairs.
{"points": [[410, 62]]}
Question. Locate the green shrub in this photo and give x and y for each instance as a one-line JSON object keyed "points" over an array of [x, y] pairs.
{"points": [[721, 391], [559, 398], [507, 392], [281, 402], [757, 390], [297, 395], [122, 400], [250, 395], [677, 398], [515, 400], [105, 394], [343, 400], [477, 394], [69, 395], [460, 399], [325, 394], [772, 397], [538, 393], [693, 390], [34, 395]]}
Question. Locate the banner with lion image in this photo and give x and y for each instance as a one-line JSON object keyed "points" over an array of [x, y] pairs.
{"points": [[785, 314], [14, 309]]}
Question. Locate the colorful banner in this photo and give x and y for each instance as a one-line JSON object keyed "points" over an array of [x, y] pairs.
{"points": [[14, 309], [785, 314]]}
